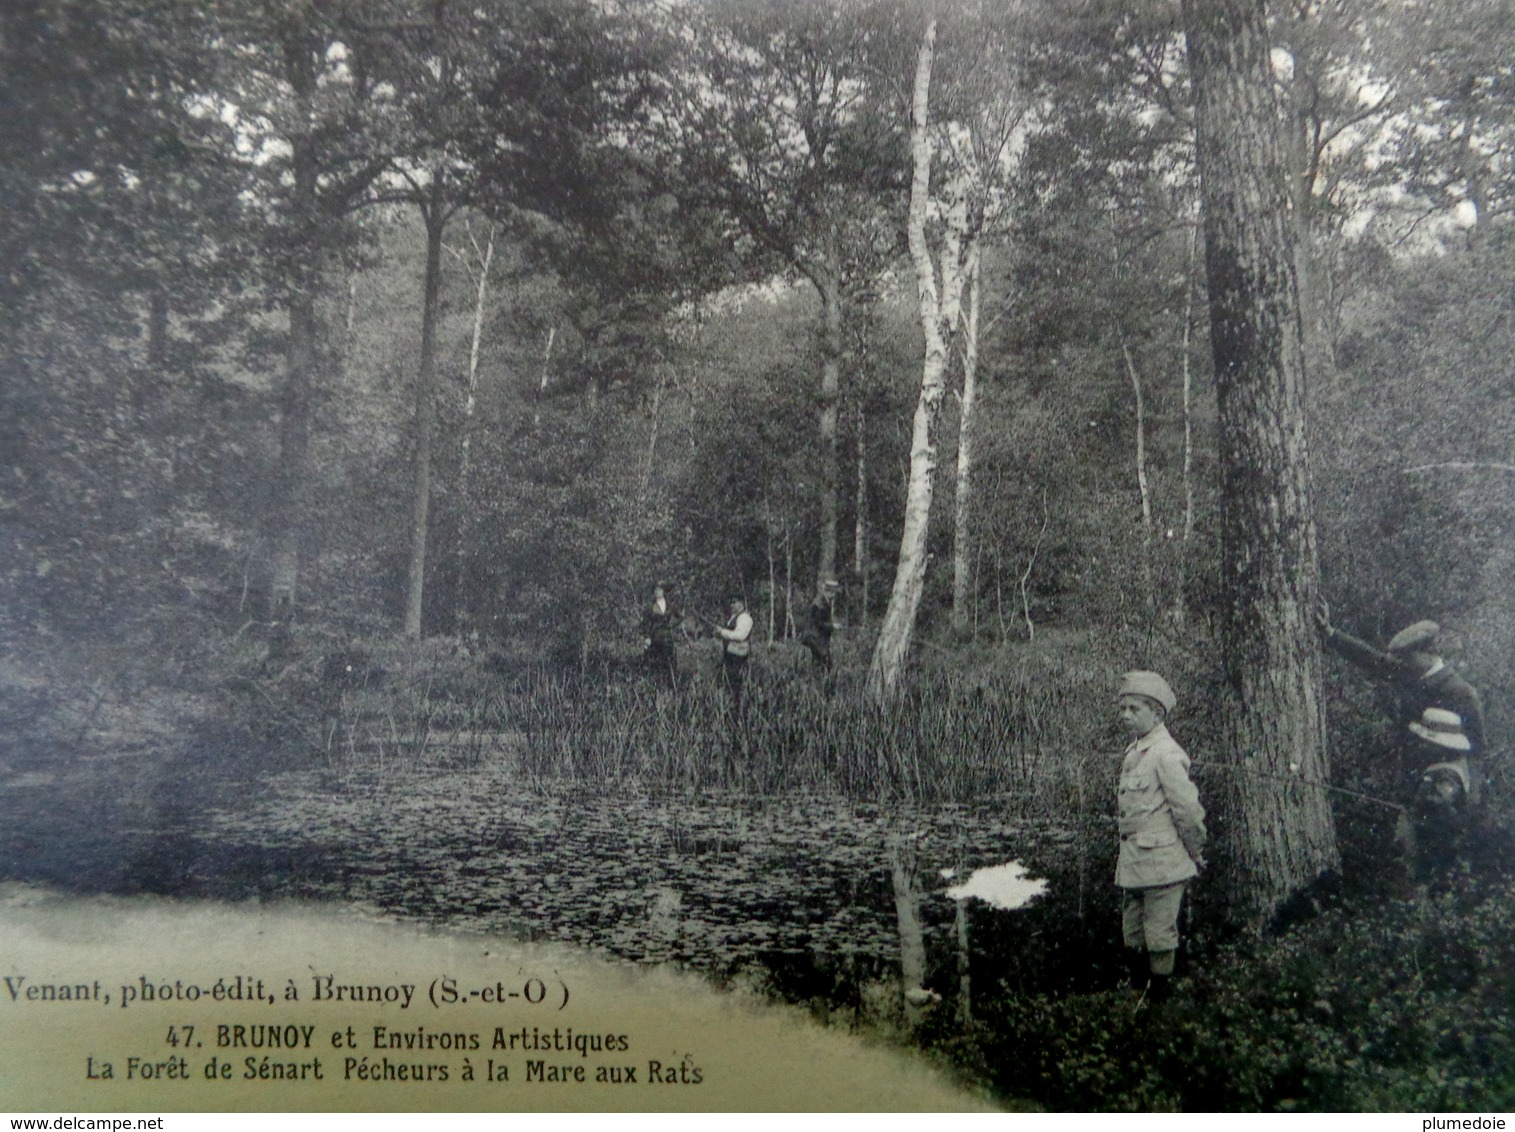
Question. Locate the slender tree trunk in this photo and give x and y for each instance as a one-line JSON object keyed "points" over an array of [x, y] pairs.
{"points": [[436, 223], [1025, 583], [1474, 171], [292, 498], [860, 522], [773, 583], [289, 515], [1284, 835], [1142, 487], [536, 416], [1181, 598], [962, 530], [470, 403], [788, 631], [828, 284], [1188, 394], [939, 314]]}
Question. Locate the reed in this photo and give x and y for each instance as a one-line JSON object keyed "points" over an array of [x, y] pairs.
{"points": [[1026, 741]]}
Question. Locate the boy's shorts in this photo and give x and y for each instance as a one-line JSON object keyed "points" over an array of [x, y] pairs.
{"points": [[1149, 916]]}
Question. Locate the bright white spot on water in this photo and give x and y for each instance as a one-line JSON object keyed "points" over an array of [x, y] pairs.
{"points": [[1000, 886]]}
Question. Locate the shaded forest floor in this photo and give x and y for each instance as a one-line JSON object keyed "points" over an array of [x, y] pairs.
{"points": [[1370, 996]]}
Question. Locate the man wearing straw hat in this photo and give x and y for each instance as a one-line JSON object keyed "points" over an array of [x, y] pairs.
{"points": [[1162, 830]]}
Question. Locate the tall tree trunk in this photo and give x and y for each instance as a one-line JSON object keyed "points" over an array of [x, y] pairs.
{"points": [[1181, 597], [536, 415], [860, 519], [962, 529], [1142, 487], [426, 408], [939, 314], [470, 404], [1474, 170], [827, 282], [292, 498], [1284, 834], [289, 515]]}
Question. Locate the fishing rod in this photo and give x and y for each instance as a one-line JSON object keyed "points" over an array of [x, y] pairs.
{"points": [[1239, 769]]}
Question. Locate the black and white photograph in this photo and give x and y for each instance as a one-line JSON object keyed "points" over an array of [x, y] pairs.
{"points": [[757, 555]]}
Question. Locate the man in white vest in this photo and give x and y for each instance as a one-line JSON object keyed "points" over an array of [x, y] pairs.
{"points": [[736, 648]]}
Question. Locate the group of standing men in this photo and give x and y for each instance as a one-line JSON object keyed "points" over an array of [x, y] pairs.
{"points": [[735, 635]]}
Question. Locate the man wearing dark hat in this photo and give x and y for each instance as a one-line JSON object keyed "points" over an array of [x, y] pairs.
{"points": [[657, 637], [1162, 829], [1440, 737], [1422, 680], [817, 634]]}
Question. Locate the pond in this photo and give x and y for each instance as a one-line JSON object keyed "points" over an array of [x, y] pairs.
{"points": [[810, 898], [718, 882]]}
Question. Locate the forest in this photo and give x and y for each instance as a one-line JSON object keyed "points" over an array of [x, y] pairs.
{"points": [[367, 363]]}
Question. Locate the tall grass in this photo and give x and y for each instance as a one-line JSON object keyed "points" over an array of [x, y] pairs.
{"points": [[1038, 738], [1026, 741]]}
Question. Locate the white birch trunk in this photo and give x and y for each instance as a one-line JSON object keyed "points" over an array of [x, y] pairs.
{"points": [[1141, 479], [962, 538], [939, 313], [470, 403]]}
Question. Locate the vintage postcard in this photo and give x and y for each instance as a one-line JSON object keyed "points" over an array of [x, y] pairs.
{"points": [[756, 555]]}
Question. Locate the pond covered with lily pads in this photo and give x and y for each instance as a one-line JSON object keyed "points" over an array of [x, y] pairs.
{"points": [[790, 888]]}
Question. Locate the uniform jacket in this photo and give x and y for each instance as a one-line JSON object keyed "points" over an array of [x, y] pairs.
{"points": [[1162, 824]]}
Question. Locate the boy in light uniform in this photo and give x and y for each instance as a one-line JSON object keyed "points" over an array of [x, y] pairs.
{"points": [[1162, 828]]}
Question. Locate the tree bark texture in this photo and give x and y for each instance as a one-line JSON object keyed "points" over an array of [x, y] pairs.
{"points": [[287, 516], [426, 411], [1284, 834], [939, 312], [831, 392], [465, 535], [290, 502], [1149, 574], [962, 528], [860, 517]]}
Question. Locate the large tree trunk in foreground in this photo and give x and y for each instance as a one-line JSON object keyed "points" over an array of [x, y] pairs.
{"points": [[1284, 837]]}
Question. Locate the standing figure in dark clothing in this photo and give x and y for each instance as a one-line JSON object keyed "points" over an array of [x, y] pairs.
{"points": [[1440, 735], [820, 625], [657, 638]]}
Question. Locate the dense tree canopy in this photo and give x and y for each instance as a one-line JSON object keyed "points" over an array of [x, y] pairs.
{"points": [[248, 304]]}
